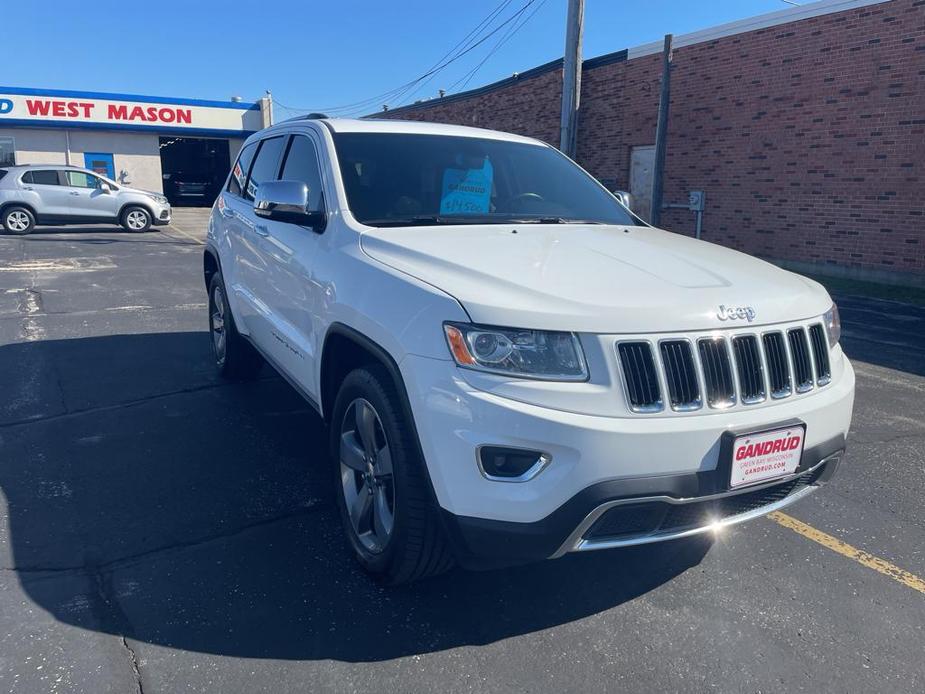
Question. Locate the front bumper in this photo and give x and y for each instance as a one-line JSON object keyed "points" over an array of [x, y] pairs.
{"points": [[161, 215], [596, 461], [623, 513]]}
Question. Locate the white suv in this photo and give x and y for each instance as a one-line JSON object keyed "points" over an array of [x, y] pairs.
{"points": [[511, 365]]}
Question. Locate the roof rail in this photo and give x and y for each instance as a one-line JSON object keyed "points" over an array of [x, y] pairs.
{"points": [[307, 116]]}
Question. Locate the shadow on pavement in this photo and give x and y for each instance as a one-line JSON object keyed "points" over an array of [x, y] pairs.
{"points": [[158, 503], [886, 333]]}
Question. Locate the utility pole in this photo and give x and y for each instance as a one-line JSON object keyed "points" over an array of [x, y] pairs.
{"points": [[571, 77], [661, 136]]}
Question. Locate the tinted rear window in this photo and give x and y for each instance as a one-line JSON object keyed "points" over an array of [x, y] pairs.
{"points": [[3, 172], [46, 177]]}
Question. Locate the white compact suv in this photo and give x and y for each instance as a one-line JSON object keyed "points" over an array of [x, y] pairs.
{"points": [[55, 194], [510, 364]]}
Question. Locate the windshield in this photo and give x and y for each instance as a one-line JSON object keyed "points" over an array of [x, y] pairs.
{"points": [[396, 179]]}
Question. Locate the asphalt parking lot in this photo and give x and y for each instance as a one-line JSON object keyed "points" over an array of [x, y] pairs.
{"points": [[163, 531]]}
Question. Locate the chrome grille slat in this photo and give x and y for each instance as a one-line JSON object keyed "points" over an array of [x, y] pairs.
{"points": [[723, 370], [640, 376], [749, 369], [820, 346], [799, 352], [717, 372], [778, 365], [680, 375]]}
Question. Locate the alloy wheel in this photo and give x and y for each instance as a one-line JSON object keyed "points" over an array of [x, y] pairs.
{"points": [[366, 476], [217, 324], [17, 221], [136, 220]]}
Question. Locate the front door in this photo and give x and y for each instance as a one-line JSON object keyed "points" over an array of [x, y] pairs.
{"points": [[100, 163], [89, 201]]}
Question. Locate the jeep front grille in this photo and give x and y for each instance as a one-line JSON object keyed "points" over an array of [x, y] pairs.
{"points": [[778, 365], [680, 375], [717, 372], [802, 368], [819, 341], [750, 370], [741, 369], [641, 377]]}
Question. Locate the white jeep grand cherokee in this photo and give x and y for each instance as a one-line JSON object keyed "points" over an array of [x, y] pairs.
{"points": [[511, 365]]}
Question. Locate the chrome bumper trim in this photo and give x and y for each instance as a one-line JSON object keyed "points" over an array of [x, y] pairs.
{"points": [[576, 542]]}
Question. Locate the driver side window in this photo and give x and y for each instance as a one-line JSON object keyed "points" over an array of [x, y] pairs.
{"points": [[81, 179]]}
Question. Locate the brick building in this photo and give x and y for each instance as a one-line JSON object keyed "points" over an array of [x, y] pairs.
{"points": [[805, 128]]}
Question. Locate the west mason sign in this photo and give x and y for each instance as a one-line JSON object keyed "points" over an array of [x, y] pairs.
{"points": [[57, 109]]}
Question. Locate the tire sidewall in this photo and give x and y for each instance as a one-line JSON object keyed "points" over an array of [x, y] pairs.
{"points": [[8, 211], [367, 383], [136, 208], [218, 283]]}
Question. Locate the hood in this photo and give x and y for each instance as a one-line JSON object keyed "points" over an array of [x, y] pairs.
{"points": [[594, 278]]}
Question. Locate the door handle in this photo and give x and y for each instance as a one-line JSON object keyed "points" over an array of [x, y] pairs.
{"points": [[74, 193], [261, 230]]}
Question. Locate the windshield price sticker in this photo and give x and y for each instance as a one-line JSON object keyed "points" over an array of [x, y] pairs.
{"points": [[467, 191], [759, 457]]}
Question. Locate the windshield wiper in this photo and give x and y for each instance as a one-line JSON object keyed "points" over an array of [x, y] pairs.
{"points": [[553, 220], [418, 221]]}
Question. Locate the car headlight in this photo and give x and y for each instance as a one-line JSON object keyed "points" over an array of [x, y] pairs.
{"points": [[160, 199], [538, 354], [832, 325]]}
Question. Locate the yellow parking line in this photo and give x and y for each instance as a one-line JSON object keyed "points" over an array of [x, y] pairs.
{"points": [[861, 557], [187, 235]]}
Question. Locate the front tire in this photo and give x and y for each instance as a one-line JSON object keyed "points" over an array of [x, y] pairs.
{"points": [[136, 219], [235, 358], [386, 508], [18, 220]]}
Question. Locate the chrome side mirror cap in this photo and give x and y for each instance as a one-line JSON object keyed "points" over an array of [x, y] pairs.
{"points": [[287, 201], [625, 198]]}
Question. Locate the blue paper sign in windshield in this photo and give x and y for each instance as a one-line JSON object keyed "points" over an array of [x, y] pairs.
{"points": [[467, 191]]}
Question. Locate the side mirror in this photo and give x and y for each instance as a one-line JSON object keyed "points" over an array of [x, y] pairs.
{"points": [[105, 187], [287, 201], [624, 198]]}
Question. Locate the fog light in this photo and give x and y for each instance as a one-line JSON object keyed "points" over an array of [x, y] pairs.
{"points": [[511, 464]]}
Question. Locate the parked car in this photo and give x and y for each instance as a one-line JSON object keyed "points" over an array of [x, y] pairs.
{"points": [[191, 189], [54, 194], [512, 366]]}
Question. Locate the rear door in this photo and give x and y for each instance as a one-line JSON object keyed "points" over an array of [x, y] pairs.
{"points": [[88, 201], [53, 200], [246, 232]]}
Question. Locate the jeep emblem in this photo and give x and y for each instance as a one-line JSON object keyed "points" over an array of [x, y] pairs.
{"points": [[736, 313]]}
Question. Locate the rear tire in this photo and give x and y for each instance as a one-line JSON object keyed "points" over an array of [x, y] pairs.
{"points": [[136, 219], [386, 465], [18, 220], [235, 357]]}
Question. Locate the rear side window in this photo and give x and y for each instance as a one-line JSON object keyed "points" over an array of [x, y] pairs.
{"points": [[266, 165], [241, 168], [302, 165], [3, 172], [47, 177]]}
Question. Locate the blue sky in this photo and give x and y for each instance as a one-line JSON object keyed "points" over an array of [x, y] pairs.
{"points": [[313, 54]]}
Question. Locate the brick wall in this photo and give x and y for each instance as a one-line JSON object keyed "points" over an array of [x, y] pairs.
{"points": [[808, 137]]}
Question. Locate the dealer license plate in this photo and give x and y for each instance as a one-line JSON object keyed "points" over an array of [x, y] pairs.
{"points": [[766, 455]]}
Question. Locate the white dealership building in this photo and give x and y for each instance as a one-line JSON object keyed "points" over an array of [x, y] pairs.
{"points": [[147, 142]]}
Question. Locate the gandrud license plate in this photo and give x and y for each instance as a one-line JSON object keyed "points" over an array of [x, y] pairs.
{"points": [[766, 455]]}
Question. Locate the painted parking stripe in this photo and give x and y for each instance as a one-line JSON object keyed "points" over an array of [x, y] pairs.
{"points": [[860, 556], [186, 234]]}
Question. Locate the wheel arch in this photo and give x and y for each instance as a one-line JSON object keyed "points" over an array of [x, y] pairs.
{"points": [[120, 216], [210, 265], [15, 203]]}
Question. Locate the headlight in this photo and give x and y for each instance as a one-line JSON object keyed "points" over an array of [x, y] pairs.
{"points": [[160, 199], [832, 325], [539, 354]]}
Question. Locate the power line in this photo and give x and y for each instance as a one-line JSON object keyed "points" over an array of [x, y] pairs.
{"points": [[508, 35], [465, 46]]}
